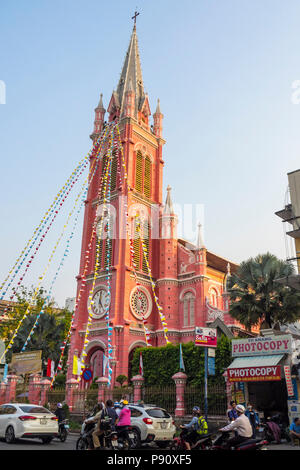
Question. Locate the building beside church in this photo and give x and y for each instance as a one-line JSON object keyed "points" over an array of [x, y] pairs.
{"points": [[190, 280]]}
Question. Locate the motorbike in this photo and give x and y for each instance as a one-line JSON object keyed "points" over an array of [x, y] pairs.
{"points": [[179, 443], [63, 430], [221, 443], [85, 440], [275, 429], [123, 439]]}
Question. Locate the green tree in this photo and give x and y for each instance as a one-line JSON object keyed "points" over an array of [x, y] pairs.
{"points": [[121, 379], [161, 363], [256, 297], [50, 330]]}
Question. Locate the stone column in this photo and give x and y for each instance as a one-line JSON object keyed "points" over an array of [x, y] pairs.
{"points": [[138, 382], [44, 388], [180, 381], [3, 387], [11, 388], [228, 388], [34, 389], [102, 387], [71, 387]]}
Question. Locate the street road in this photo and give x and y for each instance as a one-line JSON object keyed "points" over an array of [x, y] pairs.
{"points": [[36, 444], [70, 444]]}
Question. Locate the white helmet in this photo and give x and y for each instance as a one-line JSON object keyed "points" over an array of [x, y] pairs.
{"points": [[240, 408]]}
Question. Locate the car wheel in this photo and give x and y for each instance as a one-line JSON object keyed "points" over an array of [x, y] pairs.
{"points": [[162, 444], [46, 440], [136, 441], [10, 435]]}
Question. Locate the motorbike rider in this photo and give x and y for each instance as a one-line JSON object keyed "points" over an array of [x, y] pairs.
{"points": [[96, 418], [191, 436], [241, 425], [124, 419], [59, 413]]}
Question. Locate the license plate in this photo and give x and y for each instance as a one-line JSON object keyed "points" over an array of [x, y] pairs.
{"points": [[43, 421], [261, 429], [163, 425], [114, 443], [131, 435], [67, 426]]}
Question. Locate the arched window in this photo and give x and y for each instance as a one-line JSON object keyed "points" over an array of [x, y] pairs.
{"points": [[138, 252], [147, 177], [114, 166], [188, 309], [139, 172], [143, 174], [214, 297]]}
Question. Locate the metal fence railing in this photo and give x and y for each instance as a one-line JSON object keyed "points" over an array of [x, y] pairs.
{"points": [[162, 396], [216, 399]]}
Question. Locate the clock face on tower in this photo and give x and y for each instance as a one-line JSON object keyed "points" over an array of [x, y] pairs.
{"points": [[140, 302], [100, 302]]}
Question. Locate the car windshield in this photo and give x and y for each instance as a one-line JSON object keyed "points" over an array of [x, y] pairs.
{"points": [[157, 413], [33, 409]]}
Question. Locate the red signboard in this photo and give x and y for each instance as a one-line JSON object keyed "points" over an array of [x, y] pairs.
{"points": [[206, 337], [254, 374], [288, 379]]}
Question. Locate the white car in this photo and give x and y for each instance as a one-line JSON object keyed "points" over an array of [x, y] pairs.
{"points": [[153, 424], [22, 420]]}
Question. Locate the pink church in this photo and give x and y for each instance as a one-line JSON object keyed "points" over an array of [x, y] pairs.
{"points": [[189, 280]]}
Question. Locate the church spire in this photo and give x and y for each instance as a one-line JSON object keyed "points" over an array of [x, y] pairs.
{"points": [[200, 242], [131, 72], [169, 209]]}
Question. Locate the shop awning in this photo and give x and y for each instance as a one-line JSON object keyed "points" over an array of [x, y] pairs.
{"points": [[255, 368], [256, 361]]}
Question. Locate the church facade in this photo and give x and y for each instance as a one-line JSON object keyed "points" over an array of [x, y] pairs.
{"points": [[190, 280]]}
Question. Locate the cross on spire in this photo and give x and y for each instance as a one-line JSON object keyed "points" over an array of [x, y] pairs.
{"points": [[135, 16]]}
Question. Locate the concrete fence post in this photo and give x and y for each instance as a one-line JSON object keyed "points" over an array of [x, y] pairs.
{"points": [[34, 389], [102, 387], [3, 387], [71, 388], [11, 388], [44, 389], [180, 380], [138, 382]]}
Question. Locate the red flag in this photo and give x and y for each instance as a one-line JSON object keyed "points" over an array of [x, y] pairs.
{"points": [[141, 365], [50, 368]]}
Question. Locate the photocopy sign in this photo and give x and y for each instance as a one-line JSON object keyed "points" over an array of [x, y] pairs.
{"points": [[262, 346], [253, 374]]}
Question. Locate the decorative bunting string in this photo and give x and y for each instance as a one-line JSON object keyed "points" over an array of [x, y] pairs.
{"points": [[33, 299], [82, 164], [160, 309], [97, 260], [103, 137]]}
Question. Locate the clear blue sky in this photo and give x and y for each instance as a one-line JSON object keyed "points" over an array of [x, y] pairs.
{"points": [[223, 70]]}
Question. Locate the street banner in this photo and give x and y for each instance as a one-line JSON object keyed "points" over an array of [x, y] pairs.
{"points": [[254, 374], [141, 370], [105, 364], [181, 362], [26, 363], [206, 337], [262, 346], [288, 380], [211, 365], [50, 368], [77, 365]]}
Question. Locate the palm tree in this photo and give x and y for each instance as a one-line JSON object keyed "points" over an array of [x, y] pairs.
{"points": [[256, 297]]}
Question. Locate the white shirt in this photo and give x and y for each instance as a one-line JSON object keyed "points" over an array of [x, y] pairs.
{"points": [[241, 425]]}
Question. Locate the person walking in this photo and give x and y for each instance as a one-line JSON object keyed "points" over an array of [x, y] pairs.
{"points": [[232, 413], [253, 417], [295, 431]]}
